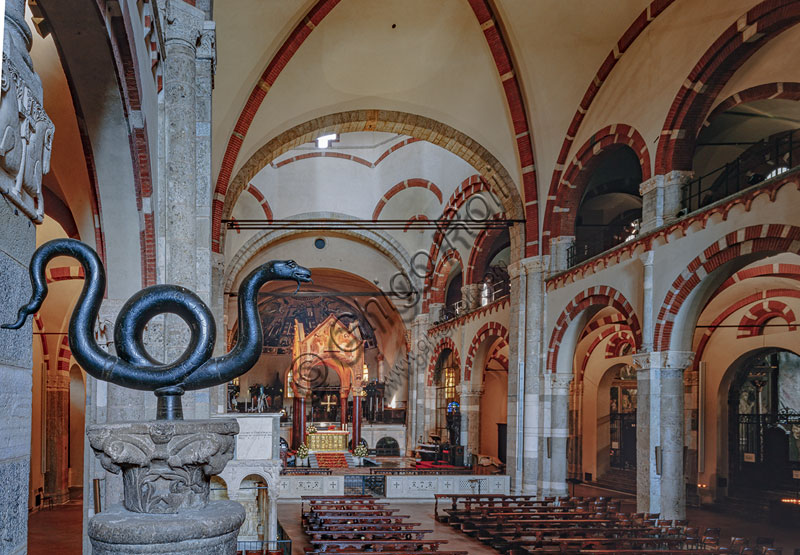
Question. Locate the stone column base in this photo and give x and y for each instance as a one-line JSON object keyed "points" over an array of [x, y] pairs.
{"points": [[208, 531]]}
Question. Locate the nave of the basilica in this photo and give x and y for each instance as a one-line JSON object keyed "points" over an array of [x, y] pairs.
{"points": [[344, 275]]}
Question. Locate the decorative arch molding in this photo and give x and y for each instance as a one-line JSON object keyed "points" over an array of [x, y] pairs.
{"points": [[749, 240], [488, 330], [716, 66], [402, 186], [602, 295], [479, 255], [785, 90], [636, 28], [261, 201], [39, 324], [377, 239], [560, 219], [436, 293], [617, 344], [619, 332], [751, 324], [444, 343], [471, 186], [491, 170], [702, 343], [791, 271], [64, 355], [599, 323]]}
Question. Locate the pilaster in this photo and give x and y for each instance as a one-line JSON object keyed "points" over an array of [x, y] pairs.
{"points": [[559, 433]]}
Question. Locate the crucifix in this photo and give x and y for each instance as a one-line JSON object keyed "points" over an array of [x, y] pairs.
{"points": [[328, 403]]}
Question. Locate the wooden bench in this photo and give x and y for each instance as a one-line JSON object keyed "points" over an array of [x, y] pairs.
{"points": [[368, 534], [372, 526], [334, 546]]}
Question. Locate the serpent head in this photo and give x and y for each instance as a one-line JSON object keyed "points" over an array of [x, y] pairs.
{"points": [[290, 270]]}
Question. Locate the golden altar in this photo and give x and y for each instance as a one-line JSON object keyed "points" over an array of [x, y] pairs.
{"points": [[328, 440]]}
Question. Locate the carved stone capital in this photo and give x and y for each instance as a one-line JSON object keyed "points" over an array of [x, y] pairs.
{"points": [[672, 360], [530, 265], [675, 177], [560, 382], [166, 465]]}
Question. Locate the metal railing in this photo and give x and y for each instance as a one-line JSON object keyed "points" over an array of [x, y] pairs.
{"points": [[763, 160], [364, 484], [605, 237], [497, 291]]}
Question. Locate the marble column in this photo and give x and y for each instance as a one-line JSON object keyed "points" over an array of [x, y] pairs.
{"points": [[272, 520], [661, 198], [25, 155], [247, 497], [559, 433]]}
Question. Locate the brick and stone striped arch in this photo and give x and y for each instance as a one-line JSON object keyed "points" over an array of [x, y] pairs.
{"points": [[481, 250], [63, 273], [702, 343], [788, 91], [444, 343], [441, 135], [491, 171], [635, 29], [39, 324], [617, 333], [763, 238], [415, 218], [602, 295], [618, 344], [790, 271], [438, 289], [564, 201], [601, 322], [752, 323], [716, 66], [487, 331], [64, 355], [261, 201], [402, 186], [348, 157]]}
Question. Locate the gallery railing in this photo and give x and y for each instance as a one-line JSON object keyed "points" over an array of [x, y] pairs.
{"points": [[763, 160]]}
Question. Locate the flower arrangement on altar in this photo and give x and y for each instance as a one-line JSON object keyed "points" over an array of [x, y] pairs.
{"points": [[311, 429], [302, 451], [360, 450]]}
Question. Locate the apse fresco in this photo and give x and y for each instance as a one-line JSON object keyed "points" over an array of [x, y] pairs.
{"points": [[789, 381], [278, 315]]}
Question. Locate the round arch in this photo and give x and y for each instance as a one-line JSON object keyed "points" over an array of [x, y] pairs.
{"points": [[490, 330], [568, 191], [682, 302], [420, 127], [693, 102], [444, 343]]}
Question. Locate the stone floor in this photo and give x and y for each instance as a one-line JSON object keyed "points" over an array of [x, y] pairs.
{"points": [[58, 530]]}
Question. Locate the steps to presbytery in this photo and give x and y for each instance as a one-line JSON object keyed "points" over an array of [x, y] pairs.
{"points": [[331, 459]]}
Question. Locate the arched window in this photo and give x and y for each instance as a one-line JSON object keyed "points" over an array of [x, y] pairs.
{"points": [[446, 378]]}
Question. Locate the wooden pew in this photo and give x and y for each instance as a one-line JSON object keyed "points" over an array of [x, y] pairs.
{"points": [[335, 546], [328, 534]]}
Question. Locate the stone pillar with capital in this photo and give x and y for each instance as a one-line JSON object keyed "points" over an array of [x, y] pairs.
{"points": [[662, 374], [272, 520], [661, 198], [56, 477], [26, 132], [421, 351], [559, 433], [470, 295], [525, 374]]}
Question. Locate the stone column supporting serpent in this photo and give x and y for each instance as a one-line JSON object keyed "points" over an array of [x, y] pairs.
{"points": [[166, 468]]}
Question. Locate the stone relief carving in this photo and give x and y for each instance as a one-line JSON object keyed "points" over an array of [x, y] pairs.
{"points": [[26, 140]]}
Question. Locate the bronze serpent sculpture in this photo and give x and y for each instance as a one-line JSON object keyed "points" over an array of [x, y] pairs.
{"points": [[133, 367]]}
